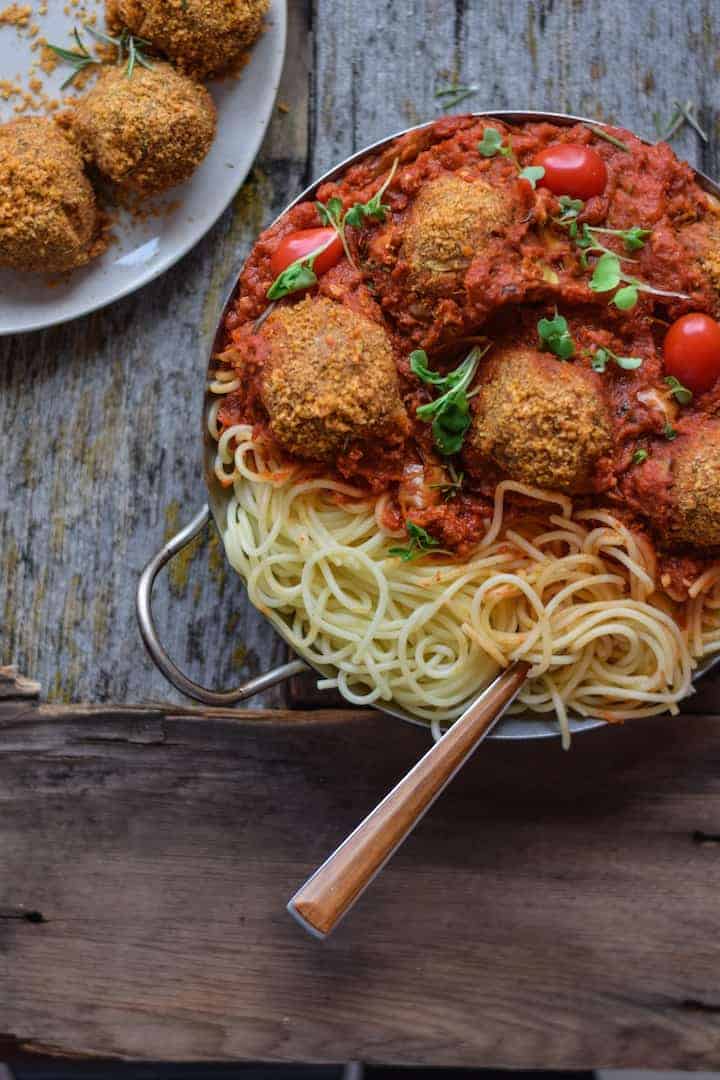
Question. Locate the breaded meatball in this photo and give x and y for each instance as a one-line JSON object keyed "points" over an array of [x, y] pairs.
{"points": [[678, 487], [449, 221], [48, 214], [702, 239], [147, 131], [330, 379], [203, 37], [540, 420]]}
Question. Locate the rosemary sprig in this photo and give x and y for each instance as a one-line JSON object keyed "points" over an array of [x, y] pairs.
{"points": [[79, 60], [602, 134], [683, 113], [455, 93]]}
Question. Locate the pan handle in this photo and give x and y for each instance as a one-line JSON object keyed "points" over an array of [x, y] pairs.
{"points": [[157, 653]]}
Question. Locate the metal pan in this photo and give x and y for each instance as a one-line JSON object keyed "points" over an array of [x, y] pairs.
{"points": [[528, 726]]}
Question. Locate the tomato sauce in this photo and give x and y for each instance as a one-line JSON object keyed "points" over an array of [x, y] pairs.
{"points": [[526, 266]]}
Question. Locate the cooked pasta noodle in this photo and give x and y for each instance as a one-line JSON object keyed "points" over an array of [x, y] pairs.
{"points": [[572, 592]]}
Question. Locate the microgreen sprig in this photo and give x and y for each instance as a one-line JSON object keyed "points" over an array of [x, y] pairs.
{"points": [[639, 456], [449, 413], [608, 274], [555, 337], [669, 432], [331, 212], [298, 275], [601, 357], [421, 542], [682, 395], [374, 209], [492, 144], [79, 60]]}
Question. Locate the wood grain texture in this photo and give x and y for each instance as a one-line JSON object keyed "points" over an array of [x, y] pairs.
{"points": [[100, 418], [552, 910]]}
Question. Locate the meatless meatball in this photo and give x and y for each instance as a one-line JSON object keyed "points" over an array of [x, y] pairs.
{"points": [[203, 37], [677, 488], [146, 132], [541, 421], [48, 215], [329, 379], [449, 222]]}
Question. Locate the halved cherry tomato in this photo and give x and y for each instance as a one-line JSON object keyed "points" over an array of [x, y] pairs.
{"points": [[573, 170], [297, 244], [692, 351]]}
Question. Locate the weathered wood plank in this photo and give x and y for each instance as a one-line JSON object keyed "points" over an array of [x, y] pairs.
{"points": [[553, 910]]}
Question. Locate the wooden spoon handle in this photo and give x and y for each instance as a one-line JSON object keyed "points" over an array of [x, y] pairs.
{"points": [[329, 894]]}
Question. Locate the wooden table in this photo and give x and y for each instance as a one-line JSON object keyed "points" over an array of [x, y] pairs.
{"points": [[553, 910]]}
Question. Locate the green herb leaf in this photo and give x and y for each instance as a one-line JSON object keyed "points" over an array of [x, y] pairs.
{"points": [[601, 358], [449, 413], [451, 488], [628, 363], [626, 298], [419, 367], [634, 238], [669, 432], [491, 142], [374, 209], [607, 274], [298, 275], [570, 210], [532, 173], [682, 395], [420, 543], [639, 456], [555, 336]]}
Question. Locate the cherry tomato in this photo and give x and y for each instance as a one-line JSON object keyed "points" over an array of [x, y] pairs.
{"points": [[297, 244], [692, 351], [572, 170]]}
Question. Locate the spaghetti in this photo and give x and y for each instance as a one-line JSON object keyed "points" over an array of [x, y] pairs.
{"points": [[572, 592]]}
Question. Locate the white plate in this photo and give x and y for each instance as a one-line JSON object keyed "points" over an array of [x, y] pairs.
{"points": [[143, 250]]}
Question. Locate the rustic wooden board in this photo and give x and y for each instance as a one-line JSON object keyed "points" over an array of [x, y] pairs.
{"points": [[100, 418], [553, 910]]}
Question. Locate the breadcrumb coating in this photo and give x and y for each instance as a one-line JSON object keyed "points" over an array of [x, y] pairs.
{"points": [[540, 420], [49, 220], [330, 379], [695, 492], [147, 131], [449, 221], [203, 37]]}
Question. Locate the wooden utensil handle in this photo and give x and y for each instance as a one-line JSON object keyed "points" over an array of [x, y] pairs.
{"points": [[325, 897]]}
